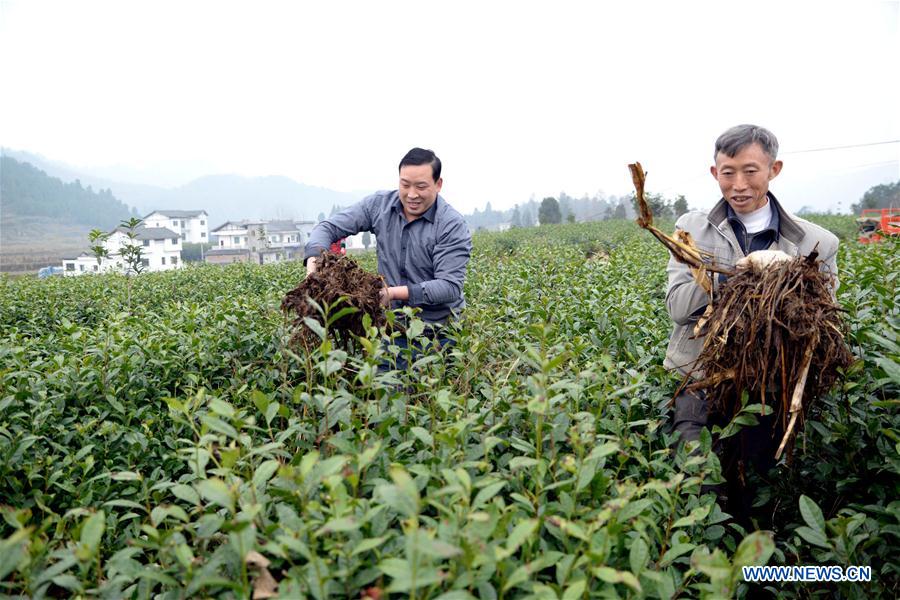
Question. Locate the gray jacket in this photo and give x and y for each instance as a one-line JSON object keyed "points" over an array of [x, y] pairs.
{"points": [[712, 232]]}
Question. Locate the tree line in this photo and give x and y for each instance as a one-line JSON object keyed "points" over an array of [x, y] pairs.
{"points": [[886, 195], [551, 211], [570, 209], [29, 191], [566, 209]]}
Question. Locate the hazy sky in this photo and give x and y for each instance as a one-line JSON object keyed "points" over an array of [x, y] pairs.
{"points": [[517, 98]]}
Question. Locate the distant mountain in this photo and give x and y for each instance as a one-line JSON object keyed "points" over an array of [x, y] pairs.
{"points": [[224, 197], [43, 218], [27, 191]]}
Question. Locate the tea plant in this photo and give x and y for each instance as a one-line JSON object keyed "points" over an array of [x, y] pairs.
{"points": [[174, 444]]}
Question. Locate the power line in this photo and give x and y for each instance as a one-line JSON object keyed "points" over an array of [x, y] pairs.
{"points": [[841, 147]]}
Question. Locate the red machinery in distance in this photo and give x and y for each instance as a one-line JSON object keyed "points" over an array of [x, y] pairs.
{"points": [[876, 223], [339, 247]]}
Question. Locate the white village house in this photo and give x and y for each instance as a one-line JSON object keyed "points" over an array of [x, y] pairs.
{"points": [[160, 251], [259, 241], [192, 226]]}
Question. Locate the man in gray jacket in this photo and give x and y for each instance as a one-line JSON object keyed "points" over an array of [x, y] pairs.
{"points": [[423, 244], [748, 225]]}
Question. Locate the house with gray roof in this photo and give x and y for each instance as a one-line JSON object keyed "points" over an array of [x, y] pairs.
{"points": [[192, 226], [260, 241]]}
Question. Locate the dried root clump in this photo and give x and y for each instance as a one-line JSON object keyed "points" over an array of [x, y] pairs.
{"points": [[339, 282], [776, 329]]}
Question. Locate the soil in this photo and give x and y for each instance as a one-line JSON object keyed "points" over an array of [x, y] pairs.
{"points": [[338, 283]]}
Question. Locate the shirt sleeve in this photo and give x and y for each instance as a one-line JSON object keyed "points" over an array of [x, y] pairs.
{"points": [[451, 255], [349, 221]]}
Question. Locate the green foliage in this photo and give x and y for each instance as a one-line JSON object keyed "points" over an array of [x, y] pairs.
{"points": [[843, 226], [28, 191], [886, 195], [132, 252], [679, 207], [661, 207], [155, 440], [96, 238], [549, 213]]}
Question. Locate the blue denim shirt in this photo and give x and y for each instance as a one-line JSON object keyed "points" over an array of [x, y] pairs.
{"points": [[429, 254]]}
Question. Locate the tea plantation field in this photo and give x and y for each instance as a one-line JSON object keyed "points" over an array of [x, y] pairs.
{"points": [[159, 438]]}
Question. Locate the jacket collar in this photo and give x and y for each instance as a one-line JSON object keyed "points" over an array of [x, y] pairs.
{"points": [[787, 226], [773, 226]]}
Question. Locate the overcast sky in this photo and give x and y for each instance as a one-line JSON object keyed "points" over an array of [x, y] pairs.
{"points": [[517, 98]]}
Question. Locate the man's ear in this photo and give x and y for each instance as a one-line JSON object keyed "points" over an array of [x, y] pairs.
{"points": [[775, 169], [714, 172], [439, 183]]}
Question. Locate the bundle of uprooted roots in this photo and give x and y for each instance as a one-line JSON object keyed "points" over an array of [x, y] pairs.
{"points": [[338, 283], [777, 328]]}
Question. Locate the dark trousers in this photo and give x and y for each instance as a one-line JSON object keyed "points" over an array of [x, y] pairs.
{"points": [[753, 446]]}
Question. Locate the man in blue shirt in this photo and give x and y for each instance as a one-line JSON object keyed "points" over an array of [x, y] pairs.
{"points": [[423, 243]]}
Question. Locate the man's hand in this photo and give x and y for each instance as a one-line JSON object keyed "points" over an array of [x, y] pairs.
{"points": [[384, 296], [311, 265], [763, 259]]}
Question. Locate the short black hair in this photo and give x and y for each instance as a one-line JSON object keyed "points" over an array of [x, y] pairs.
{"points": [[421, 156]]}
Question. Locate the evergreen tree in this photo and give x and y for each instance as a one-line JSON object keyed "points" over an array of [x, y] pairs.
{"points": [[659, 206], [529, 218], [549, 212], [565, 206], [516, 220], [886, 195], [680, 206]]}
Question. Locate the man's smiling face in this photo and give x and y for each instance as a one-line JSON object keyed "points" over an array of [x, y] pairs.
{"points": [[744, 178], [418, 190]]}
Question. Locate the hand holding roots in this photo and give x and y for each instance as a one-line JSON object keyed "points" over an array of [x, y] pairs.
{"points": [[772, 328], [338, 282]]}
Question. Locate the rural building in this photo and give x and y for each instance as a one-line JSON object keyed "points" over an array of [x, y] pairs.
{"points": [[258, 241], [192, 226], [160, 251]]}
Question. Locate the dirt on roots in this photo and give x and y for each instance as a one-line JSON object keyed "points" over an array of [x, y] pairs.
{"points": [[339, 283], [777, 329]]}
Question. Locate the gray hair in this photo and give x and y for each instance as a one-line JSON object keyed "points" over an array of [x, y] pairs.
{"points": [[740, 136]]}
